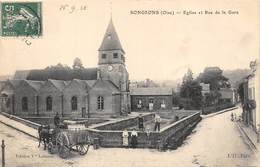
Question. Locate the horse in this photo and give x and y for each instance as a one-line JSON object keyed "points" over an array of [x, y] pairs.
{"points": [[44, 135]]}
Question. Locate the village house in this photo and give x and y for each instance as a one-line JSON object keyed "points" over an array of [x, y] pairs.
{"points": [[227, 96], [251, 111], [151, 99]]}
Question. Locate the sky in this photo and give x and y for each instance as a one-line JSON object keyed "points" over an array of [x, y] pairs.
{"points": [[159, 47]]}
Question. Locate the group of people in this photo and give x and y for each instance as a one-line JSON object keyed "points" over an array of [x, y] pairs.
{"points": [[133, 139], [134, 135], [157, 122], [234, 117]]}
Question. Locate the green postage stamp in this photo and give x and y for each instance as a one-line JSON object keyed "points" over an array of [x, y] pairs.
{"points": [[21, 19]]}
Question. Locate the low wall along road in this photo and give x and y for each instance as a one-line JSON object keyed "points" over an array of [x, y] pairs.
{"points": [[170, 136]]}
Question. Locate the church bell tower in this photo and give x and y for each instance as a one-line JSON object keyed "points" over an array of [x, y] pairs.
{"points": [[111, 64]]}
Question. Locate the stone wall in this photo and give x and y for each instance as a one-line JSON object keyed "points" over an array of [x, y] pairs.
{"points": [[93, 107], [50, 120], [123, 123], [56, 95], [212, 109], [168, 136], [31, 101]]}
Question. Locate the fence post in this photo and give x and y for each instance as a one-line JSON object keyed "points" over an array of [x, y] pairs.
{"points": [[3, 153]]}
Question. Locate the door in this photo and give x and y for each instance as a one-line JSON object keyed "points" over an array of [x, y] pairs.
{"points": [[83, 110]]}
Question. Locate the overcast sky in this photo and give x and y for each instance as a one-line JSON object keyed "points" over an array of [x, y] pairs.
{"points": [[157, 46]]}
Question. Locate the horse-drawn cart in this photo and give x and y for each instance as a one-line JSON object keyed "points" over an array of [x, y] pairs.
{"points": [[71, 137]]}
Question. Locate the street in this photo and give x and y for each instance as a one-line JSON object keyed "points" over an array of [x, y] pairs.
{"points": [[216, 141]]}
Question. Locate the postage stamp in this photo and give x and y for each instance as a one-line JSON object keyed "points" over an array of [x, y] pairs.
{"points": [[21, 19]]}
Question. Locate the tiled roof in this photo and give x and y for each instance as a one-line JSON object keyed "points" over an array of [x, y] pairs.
{"points": [[15, 82], [61, 74], [35, 84], [21, 74], [151, 91], [82, 83], [59, 84], [90, 83], [106, 84], [112, 86], [2, 83], [111, 40]]}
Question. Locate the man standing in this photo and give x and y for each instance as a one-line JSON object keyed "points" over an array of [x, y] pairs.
{"points": [[140, 122], [56, 119], [157, 120]]}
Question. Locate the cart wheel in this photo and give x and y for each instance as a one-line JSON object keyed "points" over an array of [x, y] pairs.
{"points": [[64, 151], [51, 148], [83, 149]]}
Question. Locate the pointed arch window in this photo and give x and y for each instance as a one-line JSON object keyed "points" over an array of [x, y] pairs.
{"points": [[24, 104], [100, 102], [74, 103], [49, 103]]}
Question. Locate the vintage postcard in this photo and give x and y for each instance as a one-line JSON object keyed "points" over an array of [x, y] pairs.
{"points": [[129, 83]]}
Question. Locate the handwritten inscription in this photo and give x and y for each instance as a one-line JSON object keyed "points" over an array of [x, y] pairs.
{"points": [[70, 8]]}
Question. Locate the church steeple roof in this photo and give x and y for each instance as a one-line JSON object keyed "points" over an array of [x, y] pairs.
{"points": [[111, 40]]}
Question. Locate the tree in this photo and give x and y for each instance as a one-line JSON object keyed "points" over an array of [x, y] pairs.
{"points": [[187, 82], [188, 77], [191, 90], [77, 64], [214, 77]]}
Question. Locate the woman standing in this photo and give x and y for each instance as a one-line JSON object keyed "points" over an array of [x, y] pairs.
{"points": [[125, 138]]}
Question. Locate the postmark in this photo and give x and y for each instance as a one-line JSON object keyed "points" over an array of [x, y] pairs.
{"points": [[21, 19]]}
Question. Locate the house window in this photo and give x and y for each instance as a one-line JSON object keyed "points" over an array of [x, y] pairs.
{"points": [[115, 55], [151, 100], [100, 102], [104, 56], [74, 103], [24, 104], [49, 103]]}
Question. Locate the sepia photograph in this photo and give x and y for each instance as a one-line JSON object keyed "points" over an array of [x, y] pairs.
{"points": [[129, 83]]}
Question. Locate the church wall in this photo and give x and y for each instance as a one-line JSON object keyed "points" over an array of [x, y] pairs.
{"points": [[113, 75], [9, 90], [56, 95], [81, 94], [30, 93], [116, 106], [108, 101]]}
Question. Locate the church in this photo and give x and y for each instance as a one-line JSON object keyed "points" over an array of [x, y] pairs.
{"points": [[101, 91]]}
